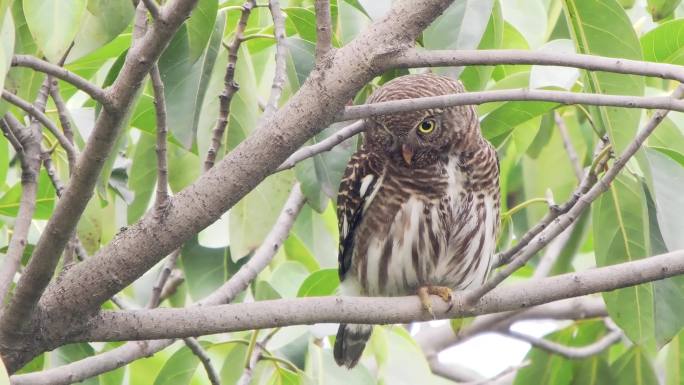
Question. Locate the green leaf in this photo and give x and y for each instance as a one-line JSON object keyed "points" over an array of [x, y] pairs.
{"points": [[512, 39], [668, 184], [287, 278], [254, 216], [593, 371], [6, 45], [545, 368], [201, 26], [97, 224], [54, 24], [234, 364], [663, 43], [476, 77], [4, 159], [45, 198], [296, 250], [319, 233], [529, 17], [634, 367], [498, 124], [601, 27], [303, 21], [621, 223], [206, 269], [461, 26], [321, 369], [186, 78], [178, 369], [674, 362], [321, 174], [320, 283], [142, 176], [103, 21]]}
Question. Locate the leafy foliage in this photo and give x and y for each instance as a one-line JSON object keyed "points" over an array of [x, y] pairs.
{"points": [[639, 216]]}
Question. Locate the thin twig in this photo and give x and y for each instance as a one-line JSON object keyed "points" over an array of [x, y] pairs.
{"points": [[326, 144], [587, 181], [82, 84], [480, 97], [230, 87], [412, 58], [169, 265], [570, 352], [280, 68], [62, 111], [567, 144], [323, 29], [34, 112], [152, 7], [563, 221], [7, 132], [199, 351], [162, 168]]}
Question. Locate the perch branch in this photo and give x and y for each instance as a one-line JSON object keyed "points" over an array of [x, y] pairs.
{"points": [[177, 323]]}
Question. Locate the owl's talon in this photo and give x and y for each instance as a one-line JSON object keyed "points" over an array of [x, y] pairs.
{"points": [[443, 292]]}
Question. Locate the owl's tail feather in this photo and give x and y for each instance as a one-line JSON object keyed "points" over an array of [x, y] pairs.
{"points": [[350, 342]]}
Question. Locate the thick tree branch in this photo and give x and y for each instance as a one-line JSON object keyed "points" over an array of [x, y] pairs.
{"points": [[61, 225], [480, 97], [423, 58], [565, 220], [59, 72], [178, 323], [115, 358], [152, 7], [324, 145], [323, 29]]}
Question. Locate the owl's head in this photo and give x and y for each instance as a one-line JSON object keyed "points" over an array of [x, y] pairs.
{"points": [[418, 139]]}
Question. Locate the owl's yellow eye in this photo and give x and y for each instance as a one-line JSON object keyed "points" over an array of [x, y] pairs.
{"points": [[426, 126]]}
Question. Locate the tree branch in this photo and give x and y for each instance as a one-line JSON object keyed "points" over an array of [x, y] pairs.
{"points": [[324, 145], [35, 113], [59, 72], [323, 29], [230, 86], [162, 169], [412, 58], [29, 156], [177, 323], [480, 97], [62, 111], [567, 144], [152, 7], [563, 221], [570, 352], [66, 214], [280, 67], [115, 358], [199, 351]]}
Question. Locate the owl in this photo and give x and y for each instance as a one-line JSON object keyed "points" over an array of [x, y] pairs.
{"points": [[418, 205]]}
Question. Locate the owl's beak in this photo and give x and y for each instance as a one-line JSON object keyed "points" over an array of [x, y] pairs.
{"points": [[407, 153]]}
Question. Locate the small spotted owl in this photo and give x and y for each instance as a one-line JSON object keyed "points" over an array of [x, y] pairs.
{"points": [[418, 205]]}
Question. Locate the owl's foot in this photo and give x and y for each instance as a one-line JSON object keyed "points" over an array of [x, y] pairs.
{"points": [[443, 292]]}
